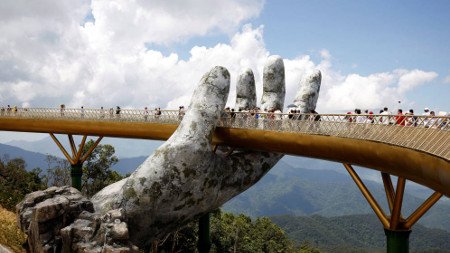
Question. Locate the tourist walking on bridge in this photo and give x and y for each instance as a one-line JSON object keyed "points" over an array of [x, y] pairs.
{"points": [[62, 108], [385, 119], [145, 113], [118, 111], [400, 118]]}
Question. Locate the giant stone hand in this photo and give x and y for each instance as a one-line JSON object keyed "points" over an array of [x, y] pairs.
{"points": [[184, 179]]}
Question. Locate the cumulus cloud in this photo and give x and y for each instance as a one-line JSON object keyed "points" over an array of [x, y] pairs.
{"points": [[373, 91], [53, 55]]}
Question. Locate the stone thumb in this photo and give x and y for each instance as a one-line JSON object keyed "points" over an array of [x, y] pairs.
{"points": [[205, 108]]}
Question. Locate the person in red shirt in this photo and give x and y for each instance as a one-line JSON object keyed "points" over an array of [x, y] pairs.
{"points": [[400, 118]]}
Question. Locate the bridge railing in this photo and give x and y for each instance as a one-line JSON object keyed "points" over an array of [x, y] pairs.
{"points": [[163, 116], [426, 133]]}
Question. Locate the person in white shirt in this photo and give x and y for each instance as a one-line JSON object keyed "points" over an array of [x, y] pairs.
{"points": [[426, 112], [359, 117], [385, 119]]}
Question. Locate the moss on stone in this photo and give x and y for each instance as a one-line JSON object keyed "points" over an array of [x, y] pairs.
{"points": [[188, 172], [142, 180], [129, 193]]}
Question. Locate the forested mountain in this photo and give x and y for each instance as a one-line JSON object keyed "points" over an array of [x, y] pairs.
{"points": [[289, 188], [32, 159], [356, 233], [299, 191]]}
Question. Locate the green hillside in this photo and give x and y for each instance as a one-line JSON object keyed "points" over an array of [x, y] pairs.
{"points": [[298, 191], [356, 233]]}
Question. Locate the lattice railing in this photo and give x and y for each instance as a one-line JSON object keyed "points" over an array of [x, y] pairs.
{"points": [[426, 133], [165, 116]]}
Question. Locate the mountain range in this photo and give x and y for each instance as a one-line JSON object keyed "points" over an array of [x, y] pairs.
{"points": [[360, 233], [295, 186], [124, 148]]}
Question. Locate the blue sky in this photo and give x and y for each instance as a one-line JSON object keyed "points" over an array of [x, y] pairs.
{"points": [[368, 36], [152, 53], [363, 37]]}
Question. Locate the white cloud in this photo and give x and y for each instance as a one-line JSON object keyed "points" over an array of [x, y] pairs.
{"points": [[51, 56], [372, 91], [129, 24], [447, 79]]}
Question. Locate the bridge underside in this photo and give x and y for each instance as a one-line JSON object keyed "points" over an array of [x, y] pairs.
{"points": [[423, 168]]}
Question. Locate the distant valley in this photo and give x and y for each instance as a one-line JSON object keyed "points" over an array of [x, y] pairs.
{"points": [[295, 186], [361, 233]]}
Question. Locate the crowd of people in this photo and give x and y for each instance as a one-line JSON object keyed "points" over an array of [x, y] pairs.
{"points": [[401, 118], [230, 115], [8, 110]]}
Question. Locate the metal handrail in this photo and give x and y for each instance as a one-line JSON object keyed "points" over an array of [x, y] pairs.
{"points": [[425, 133]]}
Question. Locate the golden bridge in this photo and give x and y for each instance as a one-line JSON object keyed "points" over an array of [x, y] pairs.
{"points": [[418, 150]]}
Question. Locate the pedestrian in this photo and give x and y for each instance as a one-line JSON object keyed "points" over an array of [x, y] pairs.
{"points": [[102, 112], [399, 118], [359, 117], [411, 120], [386, 118], [426, 113], [62, 108], [118, 111], [145, 113], [432, 121], [181, 112]]}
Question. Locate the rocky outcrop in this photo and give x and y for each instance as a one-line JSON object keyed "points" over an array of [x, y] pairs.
{"points": [[92, 233], [42, 214], [60, 219]]}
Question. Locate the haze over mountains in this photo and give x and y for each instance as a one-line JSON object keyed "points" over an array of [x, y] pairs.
{"points": [[124, 147]]}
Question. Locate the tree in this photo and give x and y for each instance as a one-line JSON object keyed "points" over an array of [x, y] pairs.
{"points": [[97, 171], [16, 181], [234, 233], [58, 172]]}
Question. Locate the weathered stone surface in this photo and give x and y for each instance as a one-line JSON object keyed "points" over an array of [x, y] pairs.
{"points": [[307, 95], [119, 231], [42, 214], [50, 209], [95, 233], [181, 181], [246, 91], [274, 87]]}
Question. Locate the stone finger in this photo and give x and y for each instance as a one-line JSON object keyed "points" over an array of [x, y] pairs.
{"points": [[308, 93], [246, 91], [274, 88]]}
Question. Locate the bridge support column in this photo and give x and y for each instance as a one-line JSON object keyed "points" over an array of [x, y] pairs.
{"points": [[204, 240], [397, 241], [396, 228], [77, 158], [76, 173]]}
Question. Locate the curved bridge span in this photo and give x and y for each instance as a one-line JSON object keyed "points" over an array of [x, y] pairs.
{"points": [[416, 148], [418, 151]]}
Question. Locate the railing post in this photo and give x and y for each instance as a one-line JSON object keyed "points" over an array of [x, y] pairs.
{"points": [[204, 240], [76, 173], [397, 241]]}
